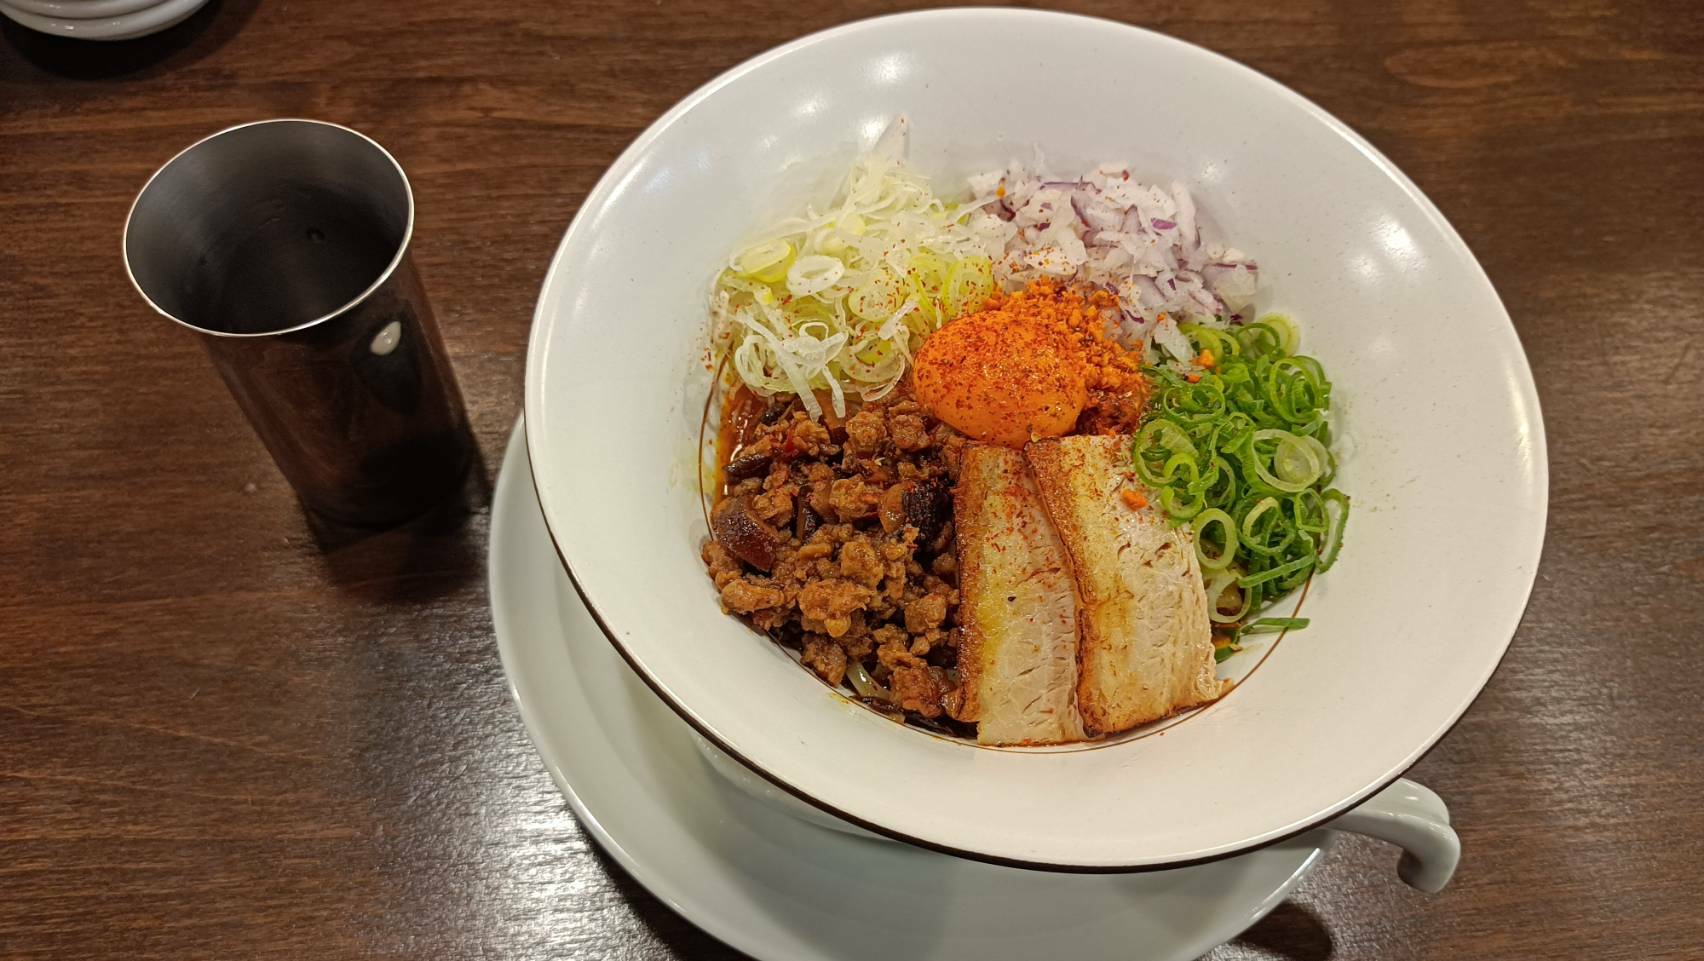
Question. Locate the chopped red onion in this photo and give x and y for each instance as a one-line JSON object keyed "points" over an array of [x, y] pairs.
{"points": [[1136, 240]]}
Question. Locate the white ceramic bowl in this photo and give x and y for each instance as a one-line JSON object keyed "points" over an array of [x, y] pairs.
{"points": [[1443, 448], [99, 19], [81, 9]]}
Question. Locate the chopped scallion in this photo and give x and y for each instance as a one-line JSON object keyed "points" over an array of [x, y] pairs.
{"points": [[1242, 453]]}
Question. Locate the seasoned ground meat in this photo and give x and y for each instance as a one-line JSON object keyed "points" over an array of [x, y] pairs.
{"points": [[865, 568], [865, 432], [852, 499], [920, 689], [945, 565], [909, 432], [925, 613], [860, 562], [825, 657], [775, 504], [827, 604], [805, 437], [747, 596]]}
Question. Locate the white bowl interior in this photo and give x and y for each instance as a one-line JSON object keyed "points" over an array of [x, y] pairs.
{"points": [[1441, 443]]}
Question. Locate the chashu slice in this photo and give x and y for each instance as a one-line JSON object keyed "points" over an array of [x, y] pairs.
{"points": [[1018, 655], [1146, 648]]}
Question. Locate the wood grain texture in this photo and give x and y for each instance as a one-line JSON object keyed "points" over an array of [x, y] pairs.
{"points": [[218, 741]]}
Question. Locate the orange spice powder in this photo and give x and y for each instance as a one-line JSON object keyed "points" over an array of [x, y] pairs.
{"points": [[1037, 363], [1105, 364]]}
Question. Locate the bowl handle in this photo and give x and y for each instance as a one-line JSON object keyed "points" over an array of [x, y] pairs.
{"points": [[1411, 816], [1406, 814]]}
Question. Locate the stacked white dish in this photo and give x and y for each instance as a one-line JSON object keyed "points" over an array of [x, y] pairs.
{"points": [[99, 19], [1403, 635]]}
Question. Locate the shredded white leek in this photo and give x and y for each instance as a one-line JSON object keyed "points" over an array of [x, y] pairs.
{"points": [[838, 301]]}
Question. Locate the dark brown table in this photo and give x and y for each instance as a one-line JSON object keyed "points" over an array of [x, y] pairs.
{"points": [[218, 741]]}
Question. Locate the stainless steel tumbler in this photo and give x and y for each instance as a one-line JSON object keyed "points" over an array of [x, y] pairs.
{"points": [[284, 245]]}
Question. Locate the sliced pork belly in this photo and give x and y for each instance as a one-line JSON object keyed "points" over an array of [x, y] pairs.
{"points": [[1018, 656], [1146, 648]]}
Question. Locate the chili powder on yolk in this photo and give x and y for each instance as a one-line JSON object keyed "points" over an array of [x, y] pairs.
{"points": [[1026, 366]]}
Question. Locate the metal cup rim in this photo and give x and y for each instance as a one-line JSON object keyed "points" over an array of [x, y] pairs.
{"points": [[384, 275]]}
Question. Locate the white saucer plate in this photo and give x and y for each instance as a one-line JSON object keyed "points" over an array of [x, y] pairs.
{"points": [[781, 889], [1436, 419], [122, 26], [81, 9]]}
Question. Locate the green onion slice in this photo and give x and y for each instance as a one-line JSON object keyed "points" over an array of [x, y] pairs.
{"points": [[1227, 538], [1243, 456], [1275, 625]]}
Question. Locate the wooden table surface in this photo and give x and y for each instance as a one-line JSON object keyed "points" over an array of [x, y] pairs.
{"points": [[218, 741]]}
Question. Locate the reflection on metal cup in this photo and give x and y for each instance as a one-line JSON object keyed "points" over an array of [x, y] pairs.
{"points": [[284, 245]]}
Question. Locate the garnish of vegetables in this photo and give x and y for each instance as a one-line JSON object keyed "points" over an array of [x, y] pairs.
{"points": [[838, 301], [1240, 449]]}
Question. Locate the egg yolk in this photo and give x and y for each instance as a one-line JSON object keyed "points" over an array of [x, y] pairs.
{"points": [[1001, 382]]}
